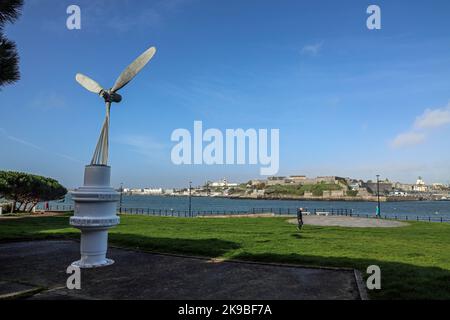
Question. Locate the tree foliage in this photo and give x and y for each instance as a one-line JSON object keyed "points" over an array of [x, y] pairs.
{"points": [[9, 62], [27, 190], [10, 10]]}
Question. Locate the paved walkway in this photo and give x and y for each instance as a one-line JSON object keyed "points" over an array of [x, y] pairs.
{"points": [[28, 267], [345, 221]]}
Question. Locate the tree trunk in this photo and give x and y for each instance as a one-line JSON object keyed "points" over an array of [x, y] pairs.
{"points": [[32, 206], [23, 206], [13, 206]]}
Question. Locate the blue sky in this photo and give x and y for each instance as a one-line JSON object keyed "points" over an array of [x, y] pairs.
{"points": [[348, 101]]}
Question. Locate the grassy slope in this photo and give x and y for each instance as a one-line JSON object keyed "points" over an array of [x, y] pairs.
{"points": [[414, 260], [299, 190]]}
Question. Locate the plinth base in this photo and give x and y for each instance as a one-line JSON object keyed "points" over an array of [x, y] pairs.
{"points": [[95, 212], [84, 265]]}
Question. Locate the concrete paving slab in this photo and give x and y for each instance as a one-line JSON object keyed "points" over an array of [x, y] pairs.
{"points": [[351, 222], [140, 275]]}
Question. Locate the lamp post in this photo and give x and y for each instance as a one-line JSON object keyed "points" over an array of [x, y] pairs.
{"points": [[378, 196], [190, 201], [120, 200]]}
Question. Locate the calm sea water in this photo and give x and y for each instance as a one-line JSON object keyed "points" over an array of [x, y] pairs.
{"points": [[434, 209]]}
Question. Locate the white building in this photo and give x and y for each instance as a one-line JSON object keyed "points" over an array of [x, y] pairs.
{"points": [[420, 185], [169, 191], [223, 183], [147, 191], [153, 191]]}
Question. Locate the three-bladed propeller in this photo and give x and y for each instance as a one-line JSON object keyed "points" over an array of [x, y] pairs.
{"points": [[125, 77], [100, 156]]}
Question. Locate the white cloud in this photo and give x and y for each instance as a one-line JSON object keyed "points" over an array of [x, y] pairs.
{"points": [[433, 118], [312, 49], [408, 139], [429, 119]]}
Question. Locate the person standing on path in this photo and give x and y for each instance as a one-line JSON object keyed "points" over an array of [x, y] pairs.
{"points": [[300, 218]]}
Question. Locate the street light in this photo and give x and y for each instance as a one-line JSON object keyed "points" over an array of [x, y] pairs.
{"points": [[378, 196], [190, 206], [120, 201]]}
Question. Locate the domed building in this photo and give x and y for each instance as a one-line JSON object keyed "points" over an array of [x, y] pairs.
{"points": [[420, 185]]}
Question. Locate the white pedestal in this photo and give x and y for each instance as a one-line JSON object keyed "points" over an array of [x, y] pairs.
{"points": [[95, 213]]}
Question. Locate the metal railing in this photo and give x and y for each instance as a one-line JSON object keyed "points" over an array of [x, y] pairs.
{"points": [[275, 211], [401, 217], [55, 208]]}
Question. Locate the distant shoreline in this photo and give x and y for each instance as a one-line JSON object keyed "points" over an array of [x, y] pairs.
{"points": [[293, 198]]}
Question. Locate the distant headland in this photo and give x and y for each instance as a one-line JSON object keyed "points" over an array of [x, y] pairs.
{"points": [[301, 187]]}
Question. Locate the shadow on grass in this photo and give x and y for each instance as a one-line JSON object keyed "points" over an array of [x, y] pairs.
{"points": [[398, 280], [36, 228], [53, 228], [209, 247]]}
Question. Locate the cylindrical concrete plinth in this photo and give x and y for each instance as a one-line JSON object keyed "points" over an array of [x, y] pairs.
{"points": [[95, 213]]}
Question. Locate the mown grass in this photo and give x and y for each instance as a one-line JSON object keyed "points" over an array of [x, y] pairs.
{"points": [[414, 260]]}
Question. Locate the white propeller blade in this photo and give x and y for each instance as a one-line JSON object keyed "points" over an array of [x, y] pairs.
{"points": [[132, 70], [88, 83]]}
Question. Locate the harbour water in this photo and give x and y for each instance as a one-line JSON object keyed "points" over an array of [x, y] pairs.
{"points": [[412, 209]]}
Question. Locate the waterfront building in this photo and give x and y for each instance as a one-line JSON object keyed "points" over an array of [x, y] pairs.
{"points": [[385, 187], [404, 186], [223, 183], [271, 181], [420, 185], [329, 179]]}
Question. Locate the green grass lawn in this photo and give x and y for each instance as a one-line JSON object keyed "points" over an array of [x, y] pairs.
{"points": [[414, 260]]}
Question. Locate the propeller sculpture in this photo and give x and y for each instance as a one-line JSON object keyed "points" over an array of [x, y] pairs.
{"points": [[100, 156]]}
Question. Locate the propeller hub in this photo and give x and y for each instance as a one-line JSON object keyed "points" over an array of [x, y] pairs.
{"points": [[115, 97], [110, 96]]}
